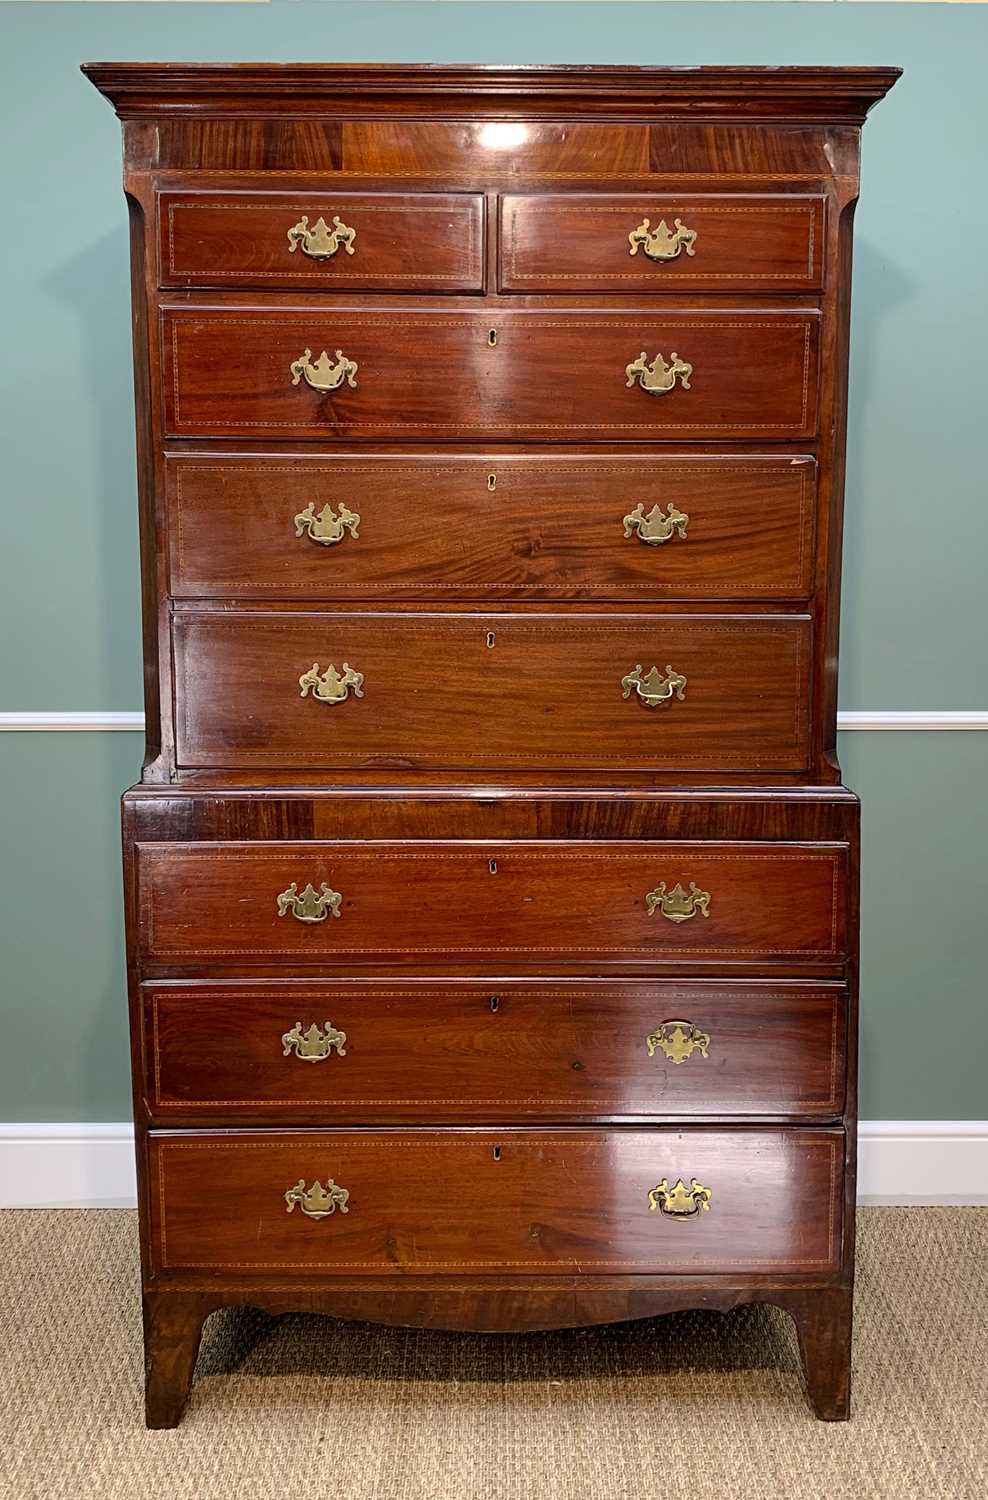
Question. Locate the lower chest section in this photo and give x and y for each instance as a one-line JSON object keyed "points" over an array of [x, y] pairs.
{"points": [[455, 1055]]}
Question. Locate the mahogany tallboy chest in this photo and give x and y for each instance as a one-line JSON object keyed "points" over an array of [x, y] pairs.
{"points": [[491, 886]]}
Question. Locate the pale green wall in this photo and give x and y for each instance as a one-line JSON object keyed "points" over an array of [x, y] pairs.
{"points": [[915, 633]]}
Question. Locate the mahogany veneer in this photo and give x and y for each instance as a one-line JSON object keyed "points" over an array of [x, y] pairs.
{"points": [[550, 377], [489, 988], [512, 1049]]}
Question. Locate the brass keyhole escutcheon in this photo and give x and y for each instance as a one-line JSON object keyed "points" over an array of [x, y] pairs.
{"points": [[495, 1002], [497, 1153], [492, 338], [490, 640], [492, 481], [492, 866]]}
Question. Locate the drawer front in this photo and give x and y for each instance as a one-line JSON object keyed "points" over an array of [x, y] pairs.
{"points": [[634, 242], [636, 528], [559, 376], [489, 1201], [430, 242], [492, 691], [513, 1049], [605, 898]]}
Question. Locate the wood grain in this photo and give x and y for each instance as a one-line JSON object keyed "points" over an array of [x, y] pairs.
{"points": [[426, 242], [516, 1049], [747, 243], [432, 527], [484, 1201], [546, 690], [552, 377], [547, 899]]}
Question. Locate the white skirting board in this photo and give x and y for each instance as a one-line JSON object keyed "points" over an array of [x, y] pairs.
{"points": [[92, 1166]]}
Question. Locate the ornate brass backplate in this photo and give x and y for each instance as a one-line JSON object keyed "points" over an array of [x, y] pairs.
{"points": [[678, 905], [332, 686], [318, 1202], [657, 377], [680, 1201], [662, 243], [310, 905], [655, 528], [324, 375], [653, 688], [320, 242], [678, 1040], [314, 1044], [327, 527]]}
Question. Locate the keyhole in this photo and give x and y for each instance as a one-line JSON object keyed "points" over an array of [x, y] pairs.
{"points": [[497, 1153], [492, 481], [490, 640], [495, 1001], [492, 338], [492, 866]]}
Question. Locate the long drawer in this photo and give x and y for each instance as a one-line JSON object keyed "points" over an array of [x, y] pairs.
{"points": [[392, 242], [637, 242], [560, 376], [310, 901], [475, 1201], [518, 526], [513, 1049], [494, 691]]}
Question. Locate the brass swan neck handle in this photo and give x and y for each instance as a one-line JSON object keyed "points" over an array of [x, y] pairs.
{"points": [[662, 243], [324, 375], [327, 528], [320, 242], [652, 687], [318, 1202], [655, 528], [680, 1201], [658, 377], [332, 686]]}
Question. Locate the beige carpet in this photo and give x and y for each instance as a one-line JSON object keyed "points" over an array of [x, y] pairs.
{"points": [[696, 1405]]}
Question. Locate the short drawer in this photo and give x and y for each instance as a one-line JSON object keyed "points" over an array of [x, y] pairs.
{"points": [[560, 376], [496, 691], [476, 1201], [428, 242], [504, 526], [618, 901], [513, 1049], [636, 242]]}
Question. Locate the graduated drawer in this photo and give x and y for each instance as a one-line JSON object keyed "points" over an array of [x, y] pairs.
{"points": [[469, 1201], [431, 898], [515, 526], [429, 242], [559, 376], [638, 242], [492, 691], [513, 1048]]}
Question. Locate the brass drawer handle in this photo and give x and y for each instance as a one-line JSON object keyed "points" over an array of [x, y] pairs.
{"points": [[320, 242], [678, 1040], [680, 1201], [678, 905], [657, 377], [663, 243], [310, 905], [653, 528], [314, 1044], [653, 688], [327, 527], [324, 375], [332, 686], [318, 1202]]}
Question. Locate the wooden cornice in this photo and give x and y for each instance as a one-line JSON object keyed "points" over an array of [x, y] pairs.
{"points": [[148, 89]]}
